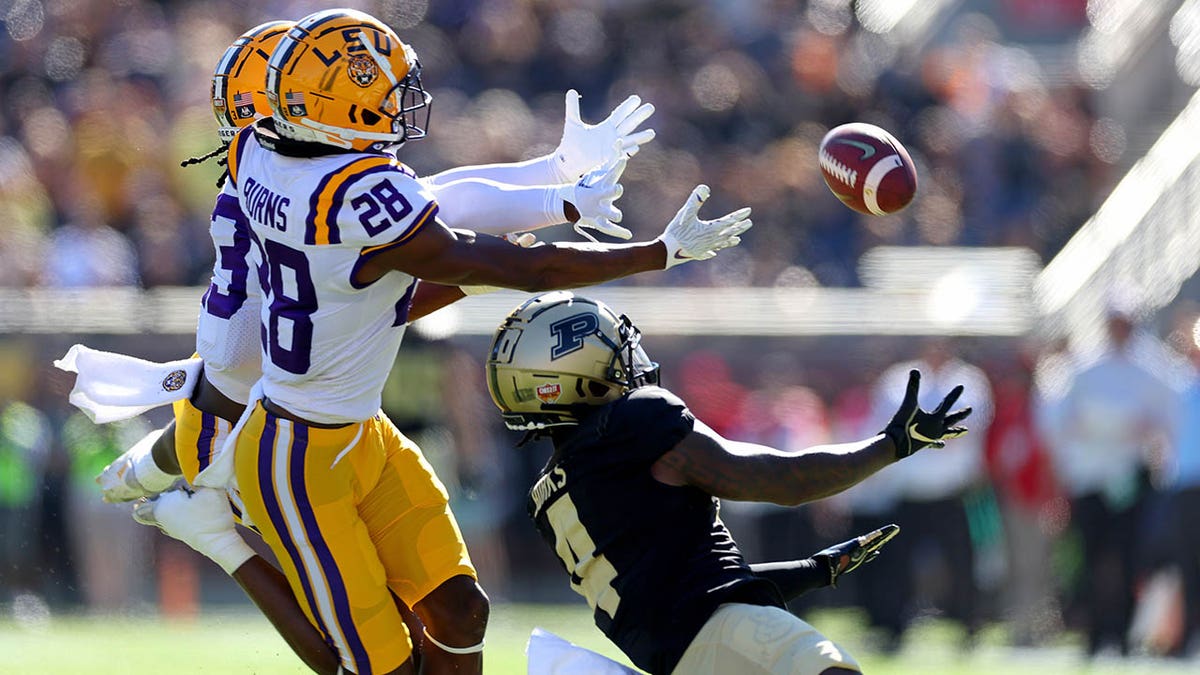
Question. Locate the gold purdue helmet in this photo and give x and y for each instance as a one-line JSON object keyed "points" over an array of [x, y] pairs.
{"points": [[343, 78], [559, 352], [241, 76]]}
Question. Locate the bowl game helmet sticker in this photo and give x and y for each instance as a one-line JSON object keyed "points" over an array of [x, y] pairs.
{"points": [[549, 393], [362, 69]]}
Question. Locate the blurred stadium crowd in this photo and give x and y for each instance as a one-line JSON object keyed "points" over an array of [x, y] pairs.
{"points": [[101, 99]]}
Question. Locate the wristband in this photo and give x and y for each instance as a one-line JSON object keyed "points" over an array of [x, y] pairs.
{"points": [[229, 550]]}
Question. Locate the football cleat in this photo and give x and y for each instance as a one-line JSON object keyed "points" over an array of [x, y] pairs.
{"points": [[343, 78], [850, 555], [237, 83]]}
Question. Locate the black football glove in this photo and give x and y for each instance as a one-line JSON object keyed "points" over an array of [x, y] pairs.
{"points": [[912, 428], [849, 555]]}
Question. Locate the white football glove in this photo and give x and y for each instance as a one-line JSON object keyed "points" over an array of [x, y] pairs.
{"points": [[133, 474], [201, 519], [689, 238], [586, 146], [593, 197]]}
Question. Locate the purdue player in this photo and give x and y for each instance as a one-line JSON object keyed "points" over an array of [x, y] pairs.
{"points": [[341, 231], [628, 501]]}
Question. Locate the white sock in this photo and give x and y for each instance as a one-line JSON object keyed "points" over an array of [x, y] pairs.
{"points": [[145, 471]]}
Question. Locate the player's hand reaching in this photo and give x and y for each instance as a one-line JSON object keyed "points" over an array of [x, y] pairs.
{"points": [[850, 555], [201, 519], [912, 428], [594, 196], [586, 146], [689, 238]]}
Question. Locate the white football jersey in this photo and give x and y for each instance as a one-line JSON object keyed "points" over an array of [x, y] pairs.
{"points": [[328, 343], [227, 334]]}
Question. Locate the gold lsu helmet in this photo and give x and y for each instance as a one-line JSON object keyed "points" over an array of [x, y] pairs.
{"points": [[241, 75], [343, 78], [558, 352]]}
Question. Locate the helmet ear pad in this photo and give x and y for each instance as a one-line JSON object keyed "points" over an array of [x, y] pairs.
{"points": [[558, 354]]}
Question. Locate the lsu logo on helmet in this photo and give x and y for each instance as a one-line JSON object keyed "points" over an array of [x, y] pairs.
{"points": [[362, 70], [343, 78], [559, 351], [238, 81]]}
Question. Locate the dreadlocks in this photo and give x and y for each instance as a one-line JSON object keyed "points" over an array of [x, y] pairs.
{"points": [[222, 160]]}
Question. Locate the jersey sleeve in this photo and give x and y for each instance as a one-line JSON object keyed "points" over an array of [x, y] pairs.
{"points": [[372, 202], [650, 419], [230, 233]]}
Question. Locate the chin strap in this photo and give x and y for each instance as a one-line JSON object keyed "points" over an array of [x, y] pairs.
{"points": [[473, 649]]}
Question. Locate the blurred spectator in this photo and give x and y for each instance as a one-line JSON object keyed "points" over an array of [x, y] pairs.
{"points": [[1102, 432], [1020, 470], [483, 495], [96, 96], [1186, 497], [24, 444], [935, 556], [109, 548]]}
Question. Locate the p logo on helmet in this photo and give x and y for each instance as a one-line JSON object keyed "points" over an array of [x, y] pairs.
{"points": [[570, 333]]}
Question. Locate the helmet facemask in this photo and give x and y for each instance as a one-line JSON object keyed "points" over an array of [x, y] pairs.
{"points": [[407, 98]]}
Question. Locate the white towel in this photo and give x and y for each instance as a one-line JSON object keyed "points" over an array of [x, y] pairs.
{"points": [[113, 387], [551, 655]]}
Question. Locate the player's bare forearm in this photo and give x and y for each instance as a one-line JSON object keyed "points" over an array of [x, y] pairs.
{"points": [[751, 472], [460, 259], [163, 451], [576, 264], [430, 297], [269, 590]]}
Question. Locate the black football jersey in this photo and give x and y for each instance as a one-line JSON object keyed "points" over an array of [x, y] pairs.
{"points": [[654, 561]]}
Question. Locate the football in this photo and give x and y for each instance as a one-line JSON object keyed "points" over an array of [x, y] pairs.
{"points": [[867, 168]]}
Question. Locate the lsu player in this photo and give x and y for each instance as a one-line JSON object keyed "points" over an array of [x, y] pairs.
{"points": [[662, 574], [576, 183], [228, 328], [341, 230]]}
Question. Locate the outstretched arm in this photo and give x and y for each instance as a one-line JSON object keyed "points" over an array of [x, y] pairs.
{"points": [[752, 472], [825, 567], [583, 147], [757, 473], [442, 256]]}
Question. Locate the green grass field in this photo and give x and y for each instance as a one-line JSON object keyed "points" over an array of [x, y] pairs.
{"points": [[243, 642]]}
